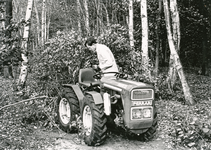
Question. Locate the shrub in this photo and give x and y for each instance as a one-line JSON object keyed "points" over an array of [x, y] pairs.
{"points": [[65, 54]]}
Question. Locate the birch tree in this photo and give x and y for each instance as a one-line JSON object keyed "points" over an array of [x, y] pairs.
{"points": [[158, 40], [175, 23], [98, 17], [48, 16], [176, 60], [2, 14], [79, 18], [38, 22], [176, 39], [107, 15], [2, 27], [87, 17], [24, 46], [43, 28], [131, 23], [144, 47]]}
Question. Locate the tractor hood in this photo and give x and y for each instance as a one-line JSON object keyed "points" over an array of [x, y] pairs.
{"points": [[123, 84]]}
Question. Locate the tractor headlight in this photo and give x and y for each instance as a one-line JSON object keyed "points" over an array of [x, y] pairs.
{"points": [[147, 112], [141, 113]]}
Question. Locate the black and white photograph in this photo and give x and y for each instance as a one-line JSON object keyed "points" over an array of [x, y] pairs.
{"points": [[105, 74]]}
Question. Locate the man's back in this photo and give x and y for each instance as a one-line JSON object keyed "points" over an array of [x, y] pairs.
{"points": [[106, 59]]}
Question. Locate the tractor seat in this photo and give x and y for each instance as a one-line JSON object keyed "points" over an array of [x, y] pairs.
{"points": [[86, 77]]}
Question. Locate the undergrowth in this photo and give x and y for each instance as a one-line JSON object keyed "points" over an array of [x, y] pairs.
{"points": [[184, 126], [180, 125], [21, 115]]}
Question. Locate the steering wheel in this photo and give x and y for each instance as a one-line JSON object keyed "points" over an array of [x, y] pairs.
{"points": [[99, 75], [122, 75]]}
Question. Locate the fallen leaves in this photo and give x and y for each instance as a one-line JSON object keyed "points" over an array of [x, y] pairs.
{"points": [[15, 133], [180, 126]]}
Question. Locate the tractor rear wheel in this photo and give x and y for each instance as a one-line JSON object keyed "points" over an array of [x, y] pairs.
{"points": [[67, 109], [94, 122]]}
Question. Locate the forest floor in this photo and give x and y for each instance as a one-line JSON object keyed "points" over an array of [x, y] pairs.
{"points": [[180, 126], [63, 141]]}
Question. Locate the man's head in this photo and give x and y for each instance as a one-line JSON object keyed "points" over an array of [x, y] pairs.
{"points": [[91, 43]]}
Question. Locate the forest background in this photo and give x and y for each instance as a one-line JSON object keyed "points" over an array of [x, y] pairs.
{"points": [[55, 49]]}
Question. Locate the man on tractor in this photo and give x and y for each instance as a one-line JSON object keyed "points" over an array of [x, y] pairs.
{"points": [[106, 100], [106, 59]]}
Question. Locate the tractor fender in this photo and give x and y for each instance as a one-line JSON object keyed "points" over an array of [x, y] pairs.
{"points": [[77, 91], [96, 96]]}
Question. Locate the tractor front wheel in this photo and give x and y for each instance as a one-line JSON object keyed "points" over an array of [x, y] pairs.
{"points": [[151, 132], [94, 122]]}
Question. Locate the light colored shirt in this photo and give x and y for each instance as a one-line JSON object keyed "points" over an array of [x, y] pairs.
{"points": [[106, 59]]}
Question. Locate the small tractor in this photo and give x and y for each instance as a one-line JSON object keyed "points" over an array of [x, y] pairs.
{"points": [[103, 101]]}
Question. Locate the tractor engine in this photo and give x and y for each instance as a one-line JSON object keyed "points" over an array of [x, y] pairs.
{"points": [[132, 104]]}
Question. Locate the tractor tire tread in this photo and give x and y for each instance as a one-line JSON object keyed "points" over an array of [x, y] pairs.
{"points": [[151, 132], [70, 95], [99, 133]]}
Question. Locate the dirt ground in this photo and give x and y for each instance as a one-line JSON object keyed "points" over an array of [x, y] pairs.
{"points": [[62, 141]]}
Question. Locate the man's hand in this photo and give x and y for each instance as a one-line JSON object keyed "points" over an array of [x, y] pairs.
{"points": [[96, 68]]}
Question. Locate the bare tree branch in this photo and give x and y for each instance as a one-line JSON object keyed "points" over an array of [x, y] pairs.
{"points": [[22, 101]]}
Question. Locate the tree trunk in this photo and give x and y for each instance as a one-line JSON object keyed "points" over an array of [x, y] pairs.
{"points": [[175, 24], [8, 12], [87, 17], [38, 22], [158, 38], [2, 15], [65, 13], [144, 48], [204, 65], [23, 72], [47, 28], [43, 30], [15, 9], [79, 18], [6, 18], [48, 16], [209, 33], [206, 7], [176, 60], [131, 23], [176, 39], [97, 6], [107, 16], [100, 17], [113, 13]]}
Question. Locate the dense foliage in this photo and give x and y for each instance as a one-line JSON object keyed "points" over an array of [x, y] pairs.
{"points": [[194, 21], [11, 40]]}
